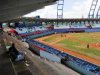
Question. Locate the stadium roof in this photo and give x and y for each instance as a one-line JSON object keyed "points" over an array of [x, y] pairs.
{"points": [[16, 8], [30, 19]]}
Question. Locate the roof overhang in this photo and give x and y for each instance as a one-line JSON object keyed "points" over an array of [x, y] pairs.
{"points": [[16, 8]]}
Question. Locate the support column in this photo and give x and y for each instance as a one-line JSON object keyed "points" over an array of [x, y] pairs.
{"points": [[46, 23], [1, 28], [8, 23], [0, 25]]}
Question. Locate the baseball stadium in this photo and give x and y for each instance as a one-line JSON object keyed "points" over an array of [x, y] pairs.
{"points": [[72, 45], [51, 46]]}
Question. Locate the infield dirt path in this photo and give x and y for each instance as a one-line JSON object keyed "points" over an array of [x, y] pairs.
{"points": [[86, 58]]}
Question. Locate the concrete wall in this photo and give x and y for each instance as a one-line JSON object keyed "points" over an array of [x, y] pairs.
{"points": [[34, 49], [92, 30], [44, 54], [50, 56]]}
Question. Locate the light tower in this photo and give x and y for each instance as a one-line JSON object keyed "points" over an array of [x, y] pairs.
{"points": [[92, 9], [98, 13], [60, 5]]}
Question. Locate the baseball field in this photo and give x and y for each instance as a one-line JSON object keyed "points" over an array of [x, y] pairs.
{"points": [[87, 44]]}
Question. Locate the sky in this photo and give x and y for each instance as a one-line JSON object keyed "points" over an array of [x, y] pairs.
{"points": [[72, 9]]}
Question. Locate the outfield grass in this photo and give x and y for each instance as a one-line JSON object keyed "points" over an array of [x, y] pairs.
{"points": [[76, 45], [87, 37], [80, 48]]}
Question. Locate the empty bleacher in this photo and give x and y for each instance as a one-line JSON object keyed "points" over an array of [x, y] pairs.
{"points": [[79, 62]]}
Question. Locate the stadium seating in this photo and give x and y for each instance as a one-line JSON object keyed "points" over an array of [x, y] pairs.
{"points": [[40, 34], [83, 64], [35, 33], [24, 29], [61, 30]]}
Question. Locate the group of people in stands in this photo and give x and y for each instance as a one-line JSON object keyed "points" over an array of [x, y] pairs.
{"points": [[83, 64], [29, 29]]}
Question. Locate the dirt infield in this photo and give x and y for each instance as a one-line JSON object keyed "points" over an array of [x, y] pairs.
{"points": [[86, 58]]}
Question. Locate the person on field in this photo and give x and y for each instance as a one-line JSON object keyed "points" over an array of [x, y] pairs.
{"points": [[61, 35], [65, 35], [88, 45]]}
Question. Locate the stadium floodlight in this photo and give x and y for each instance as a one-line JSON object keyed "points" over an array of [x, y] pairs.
{"points": [[92, 9], [60, 5], [98, 13]]}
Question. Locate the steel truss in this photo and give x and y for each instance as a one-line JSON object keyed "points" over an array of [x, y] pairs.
{"points": [[98, 13], [92, 9], [60, 5]]}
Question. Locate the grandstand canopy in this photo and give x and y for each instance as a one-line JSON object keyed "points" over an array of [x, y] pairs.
{"points": [[11, 9]]}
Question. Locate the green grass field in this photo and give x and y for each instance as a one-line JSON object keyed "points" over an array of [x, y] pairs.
{"points": [[78, 42]]}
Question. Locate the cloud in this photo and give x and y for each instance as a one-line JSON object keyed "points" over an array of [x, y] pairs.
{"points": [[77, 9], [47, 12]]}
